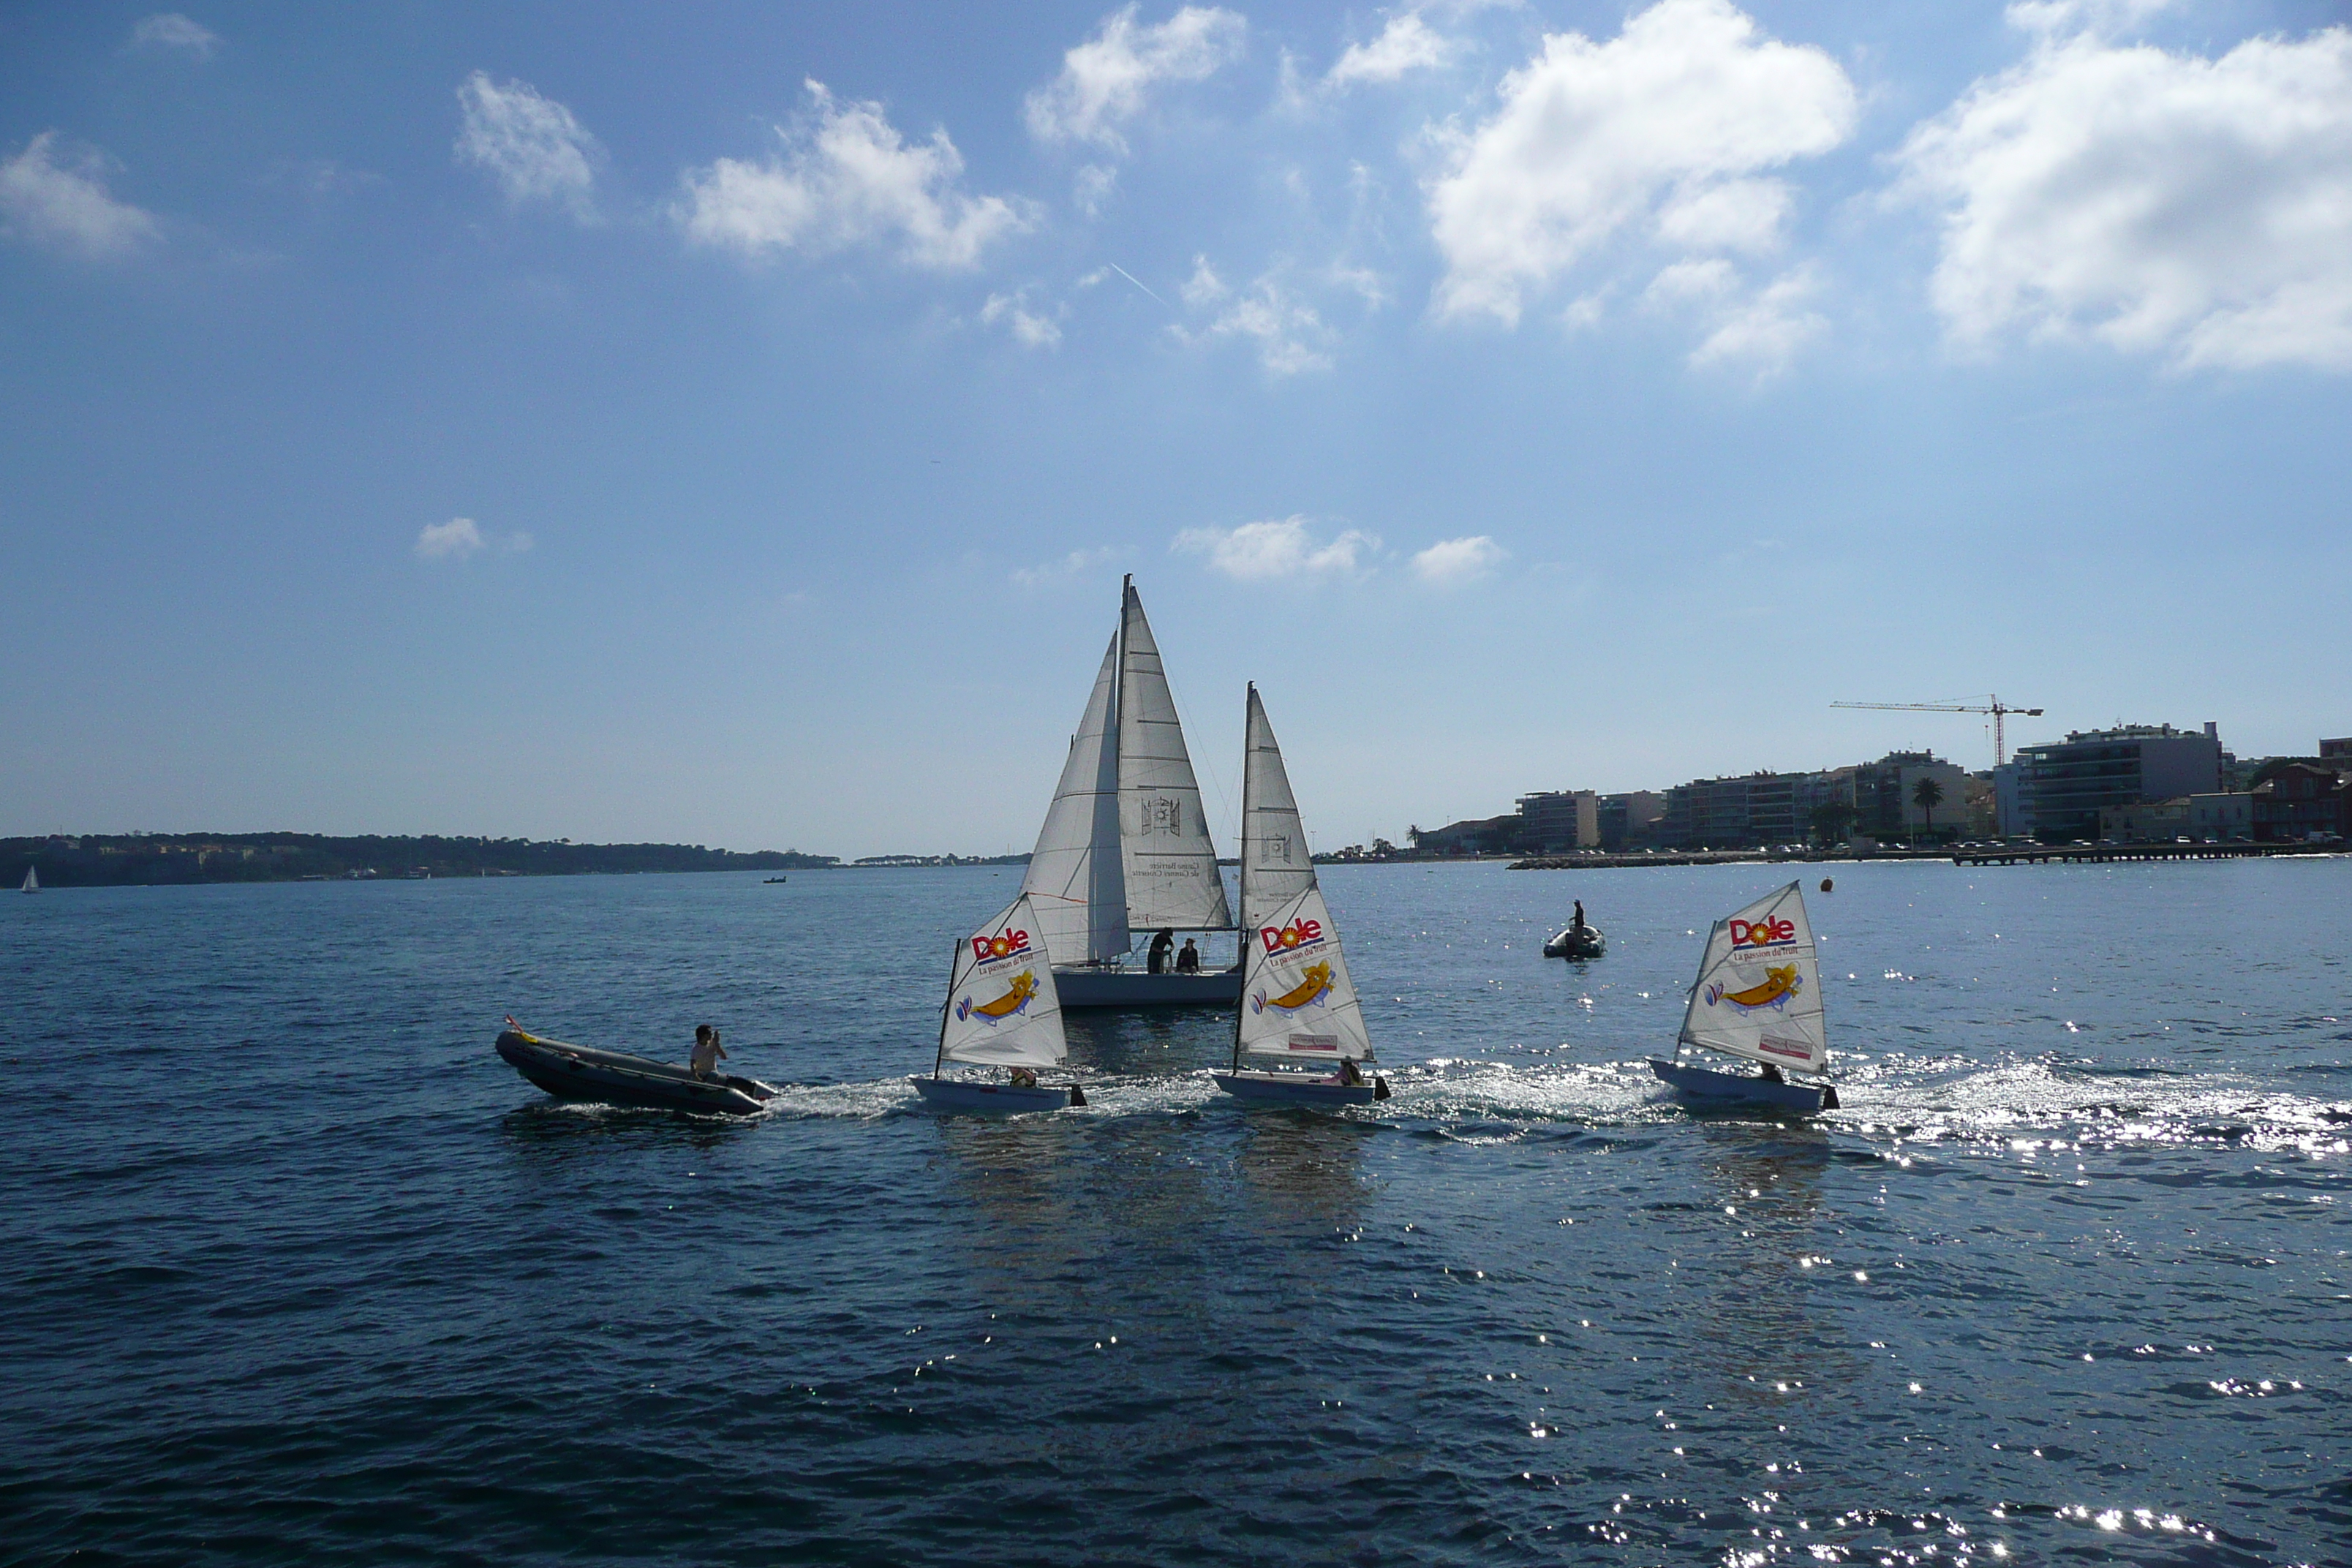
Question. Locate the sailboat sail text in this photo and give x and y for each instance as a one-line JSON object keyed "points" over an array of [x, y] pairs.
{"points": [[1002, 1007], [1759, 994]]}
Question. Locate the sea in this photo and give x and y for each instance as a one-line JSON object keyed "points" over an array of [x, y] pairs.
{"points": [[297, 1271]]}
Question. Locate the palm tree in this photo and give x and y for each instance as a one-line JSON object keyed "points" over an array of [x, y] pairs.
{"points": [[1926, 794], [1830, 820]]}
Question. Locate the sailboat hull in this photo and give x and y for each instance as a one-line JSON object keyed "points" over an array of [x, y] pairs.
{"points": [[1125, 988], [1700, 1084], [1292, 1089], [1000, 1098]]}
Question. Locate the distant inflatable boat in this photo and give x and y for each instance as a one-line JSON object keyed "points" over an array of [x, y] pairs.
{"points": [[616, 1078], [1574, 942]]}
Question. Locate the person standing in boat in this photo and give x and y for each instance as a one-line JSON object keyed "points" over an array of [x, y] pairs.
{"points": [[1188, 960], [708, 1052], [1156, 961], [1578, 923]]}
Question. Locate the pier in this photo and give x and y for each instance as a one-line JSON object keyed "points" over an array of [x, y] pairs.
{"points": [[2097, 854]]}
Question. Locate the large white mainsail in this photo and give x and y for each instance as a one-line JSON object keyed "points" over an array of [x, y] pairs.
{"points": [[1276, 866], [1076, 879], [1759, 994], [1170, 865], [1002, 1007]]}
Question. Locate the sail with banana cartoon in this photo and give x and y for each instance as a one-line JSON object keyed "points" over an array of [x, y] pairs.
{"points": [[1757, 998], [1298, 1006], [1001, 1012]]}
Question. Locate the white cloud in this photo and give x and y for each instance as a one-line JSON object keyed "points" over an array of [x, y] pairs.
{"points": [[1204, 287], [66, 205], [1765, 329], [1076, 563], [461, 537], [170, 30], [531, 146], [1660, 128], [452, 541], [1288, 334], [1093, 188], [848, 179], [1278, 548], [1027, 327], [2158, 202], [1406, 44], [1106, 80], [1451, 562]]}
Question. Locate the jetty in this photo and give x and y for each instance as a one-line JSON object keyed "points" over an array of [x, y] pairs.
{"points": [[2099, 854]]}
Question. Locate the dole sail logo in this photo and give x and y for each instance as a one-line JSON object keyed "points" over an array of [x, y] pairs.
{"points": [[1004, 944], [1301, 932], [1770, 931]]}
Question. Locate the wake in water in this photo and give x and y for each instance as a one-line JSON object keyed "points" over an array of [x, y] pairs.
{"points": [[1916, 1098]]}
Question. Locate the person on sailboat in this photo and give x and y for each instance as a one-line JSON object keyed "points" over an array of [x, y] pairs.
{"points": [[1156, 961], [1769, 1073], [708, 1052], [1349, 1074], [1022, 1078], [1188, 960]]}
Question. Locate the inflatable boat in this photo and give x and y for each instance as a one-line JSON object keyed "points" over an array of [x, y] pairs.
{"points": [[616, 1078], [1585, 942]]}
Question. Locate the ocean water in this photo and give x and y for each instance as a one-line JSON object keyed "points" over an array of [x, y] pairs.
{"points": [[297, 1271]]}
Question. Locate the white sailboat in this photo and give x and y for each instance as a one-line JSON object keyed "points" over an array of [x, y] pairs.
{"points": [[1126, 846], [1298, 1004], [1000, 1011], [32, 881], [1757, 998]]}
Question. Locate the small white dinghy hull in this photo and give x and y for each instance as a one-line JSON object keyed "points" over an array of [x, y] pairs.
{"points": [[1725, 1087], [998, 1098], [1298, 1089]]}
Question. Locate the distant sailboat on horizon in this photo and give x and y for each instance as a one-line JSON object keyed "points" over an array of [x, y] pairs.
{"points": [[32, 881], [1757, 998]]}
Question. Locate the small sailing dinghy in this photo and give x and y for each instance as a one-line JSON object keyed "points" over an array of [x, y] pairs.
{"points": [[1757, 998], [616, 1078], [1298, 1005], [32, 881], [1001, 1011]]}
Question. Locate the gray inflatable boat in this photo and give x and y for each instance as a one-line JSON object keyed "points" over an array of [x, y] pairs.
{"points": [[616, 1078]]}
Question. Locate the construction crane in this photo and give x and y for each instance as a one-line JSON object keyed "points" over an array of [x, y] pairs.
{"points": [[1998, 709]]}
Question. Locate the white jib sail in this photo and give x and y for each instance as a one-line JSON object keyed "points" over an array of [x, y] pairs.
{"points": [[1076, 879], [1002, 1007], [1170, 864], [1297, 999], [1760, 987], [1276, 866]]}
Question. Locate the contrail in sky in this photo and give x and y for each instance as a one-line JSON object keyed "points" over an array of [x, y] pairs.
{"points": [[1131, 278]]}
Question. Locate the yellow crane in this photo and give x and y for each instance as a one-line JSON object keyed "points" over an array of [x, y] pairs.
{"points": [[1999, 709]]}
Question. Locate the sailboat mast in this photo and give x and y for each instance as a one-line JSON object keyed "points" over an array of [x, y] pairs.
{"points": [[1241, 915], [945, 1008]]}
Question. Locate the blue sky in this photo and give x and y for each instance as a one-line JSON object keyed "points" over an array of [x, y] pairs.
{"points": [[729, 423]]}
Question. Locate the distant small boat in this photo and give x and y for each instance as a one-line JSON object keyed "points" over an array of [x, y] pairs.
{"points": [[1298, 1004], [1577, 942], [32, 881], [1000, 1011], [1757, 998], [773, 880], [616, 1078]]}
